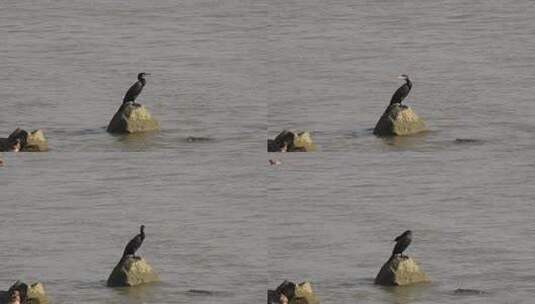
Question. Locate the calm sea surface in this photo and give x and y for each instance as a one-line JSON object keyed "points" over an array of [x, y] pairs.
{"points": [[218, 218]]}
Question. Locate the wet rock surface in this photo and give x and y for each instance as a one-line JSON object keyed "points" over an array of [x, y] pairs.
{"points": [[30, 294], [304, 294], [290, 141], [400, 271], [399, 120], [131, 272], [132, 118], [22, 140]]}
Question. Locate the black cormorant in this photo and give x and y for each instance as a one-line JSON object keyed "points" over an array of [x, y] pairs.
{"points": [[134, 244], [403, 91], [402, 242], [136, 88]]}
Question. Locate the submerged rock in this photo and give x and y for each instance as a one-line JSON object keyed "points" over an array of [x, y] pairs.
{"points": [[467, 141], [34, 294], [21, 140], [289, 141], [400, 271], [131, 272], [468, 291], [201, 292], [399, 120], [132, 118], [198, 139]]}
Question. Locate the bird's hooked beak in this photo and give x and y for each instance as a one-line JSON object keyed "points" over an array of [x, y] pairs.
{"points": [[402, 77]]}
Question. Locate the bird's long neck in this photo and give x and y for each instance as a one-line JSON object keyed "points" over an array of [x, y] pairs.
{"points": [[143, 81], [409, 83], [142, 235]]}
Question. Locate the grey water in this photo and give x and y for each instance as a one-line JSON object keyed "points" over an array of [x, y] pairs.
{"points": [[222, 225]]}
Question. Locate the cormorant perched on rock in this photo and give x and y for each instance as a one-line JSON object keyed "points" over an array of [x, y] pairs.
{"points": [[136, 88], [134, 244], [402, 242], [403, 91]]}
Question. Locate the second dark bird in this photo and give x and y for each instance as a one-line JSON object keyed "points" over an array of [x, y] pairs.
{"points": [[402, 242], [403, 91], [134, 244], [136, 88]]}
